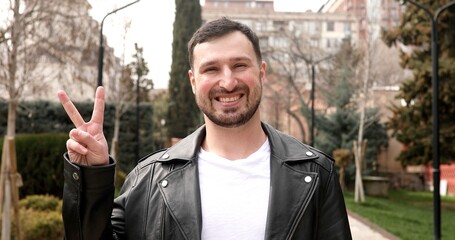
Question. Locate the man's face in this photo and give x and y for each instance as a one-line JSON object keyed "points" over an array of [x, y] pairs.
{"points": [[227, 80]]}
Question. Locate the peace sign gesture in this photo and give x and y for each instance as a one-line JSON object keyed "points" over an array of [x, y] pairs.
{"points": [[86, 144]]}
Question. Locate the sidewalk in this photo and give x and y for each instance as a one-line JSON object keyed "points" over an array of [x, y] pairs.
{"points": [[362, 229]]}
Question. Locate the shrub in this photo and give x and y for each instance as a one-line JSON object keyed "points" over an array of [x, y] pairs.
{"points": [[38, 225], [40, 203], [40, 218]]}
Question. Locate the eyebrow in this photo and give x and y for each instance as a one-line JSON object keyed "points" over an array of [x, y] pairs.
{"points": [[234, 59]]}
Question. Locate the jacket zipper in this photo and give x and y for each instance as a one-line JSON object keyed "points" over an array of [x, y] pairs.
{"points": [[149, 189], [302, 210], [163, 210]]}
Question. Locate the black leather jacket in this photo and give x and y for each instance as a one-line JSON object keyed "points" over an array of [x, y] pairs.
{"points": [[160, 198]]}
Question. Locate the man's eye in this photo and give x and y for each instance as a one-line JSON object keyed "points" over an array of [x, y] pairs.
{"points": [[212, 69]]}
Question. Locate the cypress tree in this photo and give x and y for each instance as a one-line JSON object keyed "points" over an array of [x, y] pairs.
{"points": [[412, 121], [183, 114]]}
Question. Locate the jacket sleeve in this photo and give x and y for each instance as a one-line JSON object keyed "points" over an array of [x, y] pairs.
{"points": [[333, 222], [88, 195]]}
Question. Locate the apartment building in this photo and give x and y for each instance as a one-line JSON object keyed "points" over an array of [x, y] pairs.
{"points": [[60, 51], [324, 30], [372, 15]]}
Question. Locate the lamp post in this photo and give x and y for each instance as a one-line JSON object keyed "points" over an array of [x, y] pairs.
{"points": [[435, 112], [312, 62], [138, 92], [101, 47]]}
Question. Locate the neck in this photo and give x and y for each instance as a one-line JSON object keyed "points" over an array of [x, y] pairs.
{"points": [[234, 143]]}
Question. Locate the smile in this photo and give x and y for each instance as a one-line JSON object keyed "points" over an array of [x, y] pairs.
{"points": [[229, 99]]}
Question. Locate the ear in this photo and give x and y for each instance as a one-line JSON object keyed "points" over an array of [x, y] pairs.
{"points": [[192, 81], [262, 74]]}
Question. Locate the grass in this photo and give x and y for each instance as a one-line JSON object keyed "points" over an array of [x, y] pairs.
{"points": [[405, 214]]}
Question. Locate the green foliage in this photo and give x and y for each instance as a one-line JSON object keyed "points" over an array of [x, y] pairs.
{"points": [[339, 79], [338, 129], [412, 123], [40, 218], [41, 203], [127, 137], [39, 161], [49, 117], [183, 114], [160, 106], [407, 215]]}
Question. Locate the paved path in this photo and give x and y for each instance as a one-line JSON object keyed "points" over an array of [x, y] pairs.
{"points": [[361, 229]]}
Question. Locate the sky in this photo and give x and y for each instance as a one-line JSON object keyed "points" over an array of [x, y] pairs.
{"points": [[151, 28]]}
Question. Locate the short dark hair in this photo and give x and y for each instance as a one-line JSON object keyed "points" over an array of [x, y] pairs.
{"points": [[219, 28]]}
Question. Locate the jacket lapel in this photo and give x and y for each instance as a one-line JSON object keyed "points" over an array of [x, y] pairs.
{"points": [[290, 189], [290, 192], [180, 191]]}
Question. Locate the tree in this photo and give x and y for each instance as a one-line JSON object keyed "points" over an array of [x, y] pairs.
{"points": [[43, 44], [140, 70], [142, 85], [24, 43], [289, 64], [411, 122], [183, 114], [339, 128], [121, 94]]}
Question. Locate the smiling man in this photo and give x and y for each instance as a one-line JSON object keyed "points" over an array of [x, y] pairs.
{"points": [[234, 178]]}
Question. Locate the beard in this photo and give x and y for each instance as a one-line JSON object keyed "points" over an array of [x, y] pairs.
{"points": [[235, 116]]}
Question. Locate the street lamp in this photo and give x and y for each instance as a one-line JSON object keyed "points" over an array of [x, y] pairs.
{"points": [[312, 62], [101, 47], [435, 111]]}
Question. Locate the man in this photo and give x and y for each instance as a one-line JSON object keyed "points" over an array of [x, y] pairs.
{"points": [[233, 178]]}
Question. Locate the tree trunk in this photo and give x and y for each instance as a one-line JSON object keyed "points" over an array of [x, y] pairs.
{"points": [[359, 195], [114, 143], [11, 125]]}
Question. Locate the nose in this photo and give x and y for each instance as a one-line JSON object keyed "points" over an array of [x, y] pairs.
{"points": [[228, 80]]}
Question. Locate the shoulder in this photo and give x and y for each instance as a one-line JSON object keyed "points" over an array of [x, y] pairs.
{"points": [[293, 151], [150, 158]]}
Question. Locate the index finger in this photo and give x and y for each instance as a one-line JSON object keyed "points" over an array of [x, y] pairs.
{"points": [[70, 109], [98, 108]]}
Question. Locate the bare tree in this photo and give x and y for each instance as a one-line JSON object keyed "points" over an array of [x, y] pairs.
{"points": [[120, 94], [378, 67], [291, 62], [42, 45]]}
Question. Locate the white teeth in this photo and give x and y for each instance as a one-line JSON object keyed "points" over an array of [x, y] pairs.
{"points": [[229, 99]]}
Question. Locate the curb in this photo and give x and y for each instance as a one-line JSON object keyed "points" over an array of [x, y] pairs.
{"points": [[373, 226]]}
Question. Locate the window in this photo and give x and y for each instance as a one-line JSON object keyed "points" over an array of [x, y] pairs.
{"points": [[330, 26]]}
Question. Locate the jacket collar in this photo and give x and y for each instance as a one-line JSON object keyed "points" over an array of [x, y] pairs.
{"points": [[282, 146]]}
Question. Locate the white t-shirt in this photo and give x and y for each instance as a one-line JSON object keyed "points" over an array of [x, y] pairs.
{"points": [[234, 195]]}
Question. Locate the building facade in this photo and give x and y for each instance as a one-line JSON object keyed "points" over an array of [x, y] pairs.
{"points": [[372, 15], [59, 50]]}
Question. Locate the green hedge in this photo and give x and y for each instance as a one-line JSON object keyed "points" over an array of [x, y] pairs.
{"points": [[39, 161], [49, 117]]}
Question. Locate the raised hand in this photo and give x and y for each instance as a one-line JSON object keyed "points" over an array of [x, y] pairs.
{"points": [[87, 144]]}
